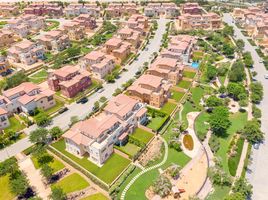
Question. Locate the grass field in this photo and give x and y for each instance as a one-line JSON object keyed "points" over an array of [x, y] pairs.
{"points": [[176, 95], [57, 107], [238, 121], [15, 125], [168, 108], [187, 108], [197, 94], [184, 84], [142, 135], [219, 193], [56, 165], [108, 172], [200, 126], [72, 183], [97, 196], [130, 149], [39, 76], [189, 74], [5, 193]]}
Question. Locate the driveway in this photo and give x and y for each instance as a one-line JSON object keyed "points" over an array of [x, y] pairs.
{"points": [[82, 110], [258, 173]]}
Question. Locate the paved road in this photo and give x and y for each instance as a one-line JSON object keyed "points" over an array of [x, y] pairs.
{"points": [[258, 173], [82, 110]]}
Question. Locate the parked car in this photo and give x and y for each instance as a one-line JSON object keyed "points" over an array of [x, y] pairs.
{"points": [[266, 76], [82, 100], [256, 146], [64, 109], [101, 90]]}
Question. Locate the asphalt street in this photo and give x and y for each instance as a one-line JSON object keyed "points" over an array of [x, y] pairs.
{"points": [[258, 172], [82, 110]]}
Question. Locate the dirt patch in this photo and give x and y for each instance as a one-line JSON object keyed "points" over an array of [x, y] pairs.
{"points": [[152, 152], [188, 142]]}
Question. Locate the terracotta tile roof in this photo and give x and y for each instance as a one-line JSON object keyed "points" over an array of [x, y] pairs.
{"points": [[25, 87], [3, 111]]}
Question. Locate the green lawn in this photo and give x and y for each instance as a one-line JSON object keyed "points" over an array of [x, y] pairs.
{"points": [[15, 125], [200, 126], [184, 84], [5, 193], [53, 25], [57, 107], [97, 196], [219, 193], [156, 123], [108, 172], [137, 190], [176, 95], [142, 135], [56, 165], [238, 121], [197, 94], [189, 74], [130, 149], [187, 108], [168, 108], [86, 50], [72, 183], [234, 160], [39, 76]]}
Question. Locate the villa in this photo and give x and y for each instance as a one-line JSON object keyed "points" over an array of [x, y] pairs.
{"points": [[6, 38], [191, 8], [87, 21], [54, 41], [150, 89], [75, 9], [118, 48], [139, 23], [131, 36], [97, 135], [25, 52], [4, 122], [169, 10], [74, 30], [98, 64], [167, 68], [69, 80], [119, 9], [4, 65], [26, 97], [51, 9], [8, 10]]}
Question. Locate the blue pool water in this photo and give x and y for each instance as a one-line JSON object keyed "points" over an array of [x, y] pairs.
{"points": [[195, 65]]}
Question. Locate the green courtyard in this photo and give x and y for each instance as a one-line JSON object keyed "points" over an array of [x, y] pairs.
{"points": [[176, 95], [39, 76], [107, 173], [142, 135], [184, 84]]}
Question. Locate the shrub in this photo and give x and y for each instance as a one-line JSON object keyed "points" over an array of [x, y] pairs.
{"points": [[162, 186]]}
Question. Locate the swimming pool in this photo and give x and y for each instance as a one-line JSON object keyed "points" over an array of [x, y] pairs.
{"points": [[195, 65]]}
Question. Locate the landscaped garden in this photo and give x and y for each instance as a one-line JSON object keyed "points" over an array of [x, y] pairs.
{"points": [[130, 149], [97, 196], [15, 125], [189, 74], [108, 172], [142, 135], [157, 119], [176, 95], [39, 76], [168, 108], [71, 183], [201, 125], [184, 84], [5, 193]]}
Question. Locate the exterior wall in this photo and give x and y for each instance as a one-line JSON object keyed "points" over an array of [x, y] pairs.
{"points": [[4, 122], [73, 148]]}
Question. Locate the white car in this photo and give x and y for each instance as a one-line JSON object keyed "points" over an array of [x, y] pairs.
{"points": [[266, 76]]}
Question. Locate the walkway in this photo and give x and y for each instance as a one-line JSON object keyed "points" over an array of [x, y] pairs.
{"points": [[146, 170], [35, 178]]}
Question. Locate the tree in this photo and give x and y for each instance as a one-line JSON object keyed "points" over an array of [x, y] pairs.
{"points": [[18, 183], [237, 72], [211, 72], [74, 119], [256, 92], [252, 132], [8, 166], [227, 49], [242, 186], [219, 177], [96, 105], [235, 90], [57, 194], [73, 51], [103, 99], [16, 79], [55, 132], [235, 196], [39, 136], [219, 120], [42, 119], [240, 44], [47, 171], [162, 186], [256, 112], [228, 30], [213, 101]]}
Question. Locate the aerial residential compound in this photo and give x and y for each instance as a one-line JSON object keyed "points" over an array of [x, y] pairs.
{"points": [[119, 9], [130, 35], [180, 48], [206, 21], [167, 68], [50, 9], [25, 25], [74, 30], [255, 22], [4, 65], [4, 122], [150, 89], [77, 9], [191, 8], [6, 38], [169, 10], [98, 64], [97, 135], [25, 52], [55, 41], [26, 97], [69, 80], [139, 23], [8, 10]]}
